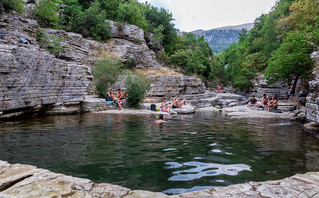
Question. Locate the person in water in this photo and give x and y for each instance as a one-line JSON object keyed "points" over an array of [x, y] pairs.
{"points": [[160, 120]]}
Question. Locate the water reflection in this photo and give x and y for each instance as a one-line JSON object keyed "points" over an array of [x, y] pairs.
{"points": [[204, 170], [186, 153]]}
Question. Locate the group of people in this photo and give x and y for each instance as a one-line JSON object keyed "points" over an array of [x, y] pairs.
{"points": [[265, 103], [219, 88], [117, 98], [165, 107]]}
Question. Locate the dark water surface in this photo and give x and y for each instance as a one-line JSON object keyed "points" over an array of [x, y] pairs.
{"points": [[186, 153]]}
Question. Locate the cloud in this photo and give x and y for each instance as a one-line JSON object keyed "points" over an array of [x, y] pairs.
{"points": [[207, 14]]}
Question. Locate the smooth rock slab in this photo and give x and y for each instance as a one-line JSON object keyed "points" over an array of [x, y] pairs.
{"points": [[28, 181]]}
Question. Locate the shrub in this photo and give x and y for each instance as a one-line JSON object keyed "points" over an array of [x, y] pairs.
{"points": [[54, 44], [105, 72], [130, 64], [16, 5], [137, 85]]}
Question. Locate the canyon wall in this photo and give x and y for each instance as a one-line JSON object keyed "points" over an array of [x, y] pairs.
{"points": [[312, 105], [34, 80]]}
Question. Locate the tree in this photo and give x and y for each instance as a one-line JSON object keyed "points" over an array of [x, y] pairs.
{"points": [[156, 17], [48, 12], [291, 60], [91, 23], [71, 10], [16, 5]]}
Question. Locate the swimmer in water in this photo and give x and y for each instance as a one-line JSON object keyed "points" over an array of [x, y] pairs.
{"points": [[160, 121]]}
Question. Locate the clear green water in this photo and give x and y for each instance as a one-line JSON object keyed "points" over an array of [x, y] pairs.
{"points": [[186, 153]]}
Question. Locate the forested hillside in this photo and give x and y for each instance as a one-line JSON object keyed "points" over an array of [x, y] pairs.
{"points": [[279, 44]]}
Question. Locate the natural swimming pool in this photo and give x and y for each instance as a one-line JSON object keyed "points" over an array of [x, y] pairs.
{"points": [[188, 152]]}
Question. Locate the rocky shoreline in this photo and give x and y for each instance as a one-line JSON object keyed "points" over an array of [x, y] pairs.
{"points": [[18, 180]]}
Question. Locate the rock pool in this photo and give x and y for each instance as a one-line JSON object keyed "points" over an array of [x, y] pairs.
{"points": [[186, 153]]}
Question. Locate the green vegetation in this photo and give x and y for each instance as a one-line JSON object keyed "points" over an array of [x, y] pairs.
{"points": [[7, 5], [53, 43], [88, 18], [279, 45], [137, 85], [106, 73]]}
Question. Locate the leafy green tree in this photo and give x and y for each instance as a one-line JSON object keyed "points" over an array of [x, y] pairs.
{"points": [[16, 5], [48, 12], [71, 10], [158, 36], [156, 17], [292, 60], [132, 13], [91, 23]]}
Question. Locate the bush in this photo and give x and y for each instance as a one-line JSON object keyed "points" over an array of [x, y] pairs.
{"points": [[137, 85], [130, 64], [16, 5], [105, 74]]}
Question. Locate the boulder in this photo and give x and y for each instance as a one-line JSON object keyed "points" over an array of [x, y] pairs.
{"points": [[186, 109]]}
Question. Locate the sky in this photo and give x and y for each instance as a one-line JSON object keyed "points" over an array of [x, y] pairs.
{"points": [[192, 15]]}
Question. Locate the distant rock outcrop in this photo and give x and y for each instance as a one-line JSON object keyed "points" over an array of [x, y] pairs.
{"points": [[220, 39]]}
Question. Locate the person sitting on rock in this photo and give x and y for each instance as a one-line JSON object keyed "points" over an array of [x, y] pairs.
{"points": [[176, 103], [273, 104], [116, 100], [183, 102], [164, 106], [109, 96], [252, 102], [119, 94], [264, 101]]}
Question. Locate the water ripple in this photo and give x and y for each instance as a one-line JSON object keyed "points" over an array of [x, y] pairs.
{"points": [[206, 169]]}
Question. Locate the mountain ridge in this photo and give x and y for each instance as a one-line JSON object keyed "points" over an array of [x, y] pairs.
{"points": [[219, 39]]}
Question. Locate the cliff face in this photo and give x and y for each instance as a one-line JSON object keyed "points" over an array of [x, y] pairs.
{"points": [[32, 79], [312, 105]]}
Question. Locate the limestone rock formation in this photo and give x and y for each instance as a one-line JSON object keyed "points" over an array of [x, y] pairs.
{"points": [[32, 79], [312, 105], [260, 88], [17, 180]]}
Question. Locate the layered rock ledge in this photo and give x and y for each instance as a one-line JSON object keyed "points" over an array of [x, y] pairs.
{"points": [[18, 180]]}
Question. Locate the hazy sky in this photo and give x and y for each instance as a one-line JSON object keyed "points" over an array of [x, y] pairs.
{"points": [[191, 15]]}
